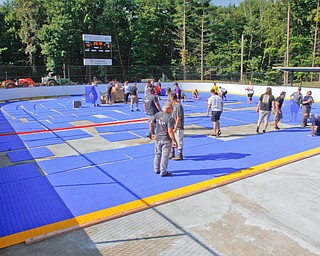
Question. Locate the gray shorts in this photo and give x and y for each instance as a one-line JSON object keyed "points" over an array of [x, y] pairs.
{"points": [[264, 114], [277, 116]]}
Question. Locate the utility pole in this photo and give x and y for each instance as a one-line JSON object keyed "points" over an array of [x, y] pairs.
{"points": [[286, 73], [184, 50], [202, 46], [242, 52], [315, 38]]}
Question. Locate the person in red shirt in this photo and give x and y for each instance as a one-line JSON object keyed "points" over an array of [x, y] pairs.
{"points": [[158, 90]]}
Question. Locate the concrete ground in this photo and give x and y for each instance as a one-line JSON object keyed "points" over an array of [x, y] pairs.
{"points": [[274, 213]]}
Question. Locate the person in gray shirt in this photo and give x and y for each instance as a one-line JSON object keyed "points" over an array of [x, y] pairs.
{"points": [[264, 108], [151, 106], [164, 138], [296, 98], [178, 116]]}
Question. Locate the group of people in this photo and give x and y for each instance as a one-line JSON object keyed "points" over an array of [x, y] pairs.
{"points": [[166, 126], [221, 91], [166, 123], [268, 104]]}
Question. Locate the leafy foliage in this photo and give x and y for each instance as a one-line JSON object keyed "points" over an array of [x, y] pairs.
{"points": [[149, 34]]}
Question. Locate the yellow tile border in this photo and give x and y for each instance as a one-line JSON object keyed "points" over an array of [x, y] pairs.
{"points": [[47, 231]]}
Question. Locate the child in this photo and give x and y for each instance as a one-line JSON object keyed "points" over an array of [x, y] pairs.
{"points": [[195, 94]]}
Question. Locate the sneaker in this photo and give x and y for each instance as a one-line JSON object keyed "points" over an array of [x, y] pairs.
{"points": [[257, 130], [131, 110], [165, 174], [156, 171], [178, 157], [264, 131], [277, 128], [137, 109]]}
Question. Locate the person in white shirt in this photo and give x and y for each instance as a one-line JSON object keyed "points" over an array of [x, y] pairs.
{"points": [[126, 87], [250, 92], [215, 103]]}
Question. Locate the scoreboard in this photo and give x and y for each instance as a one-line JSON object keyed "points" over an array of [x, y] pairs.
{"points": [[97, 50]]}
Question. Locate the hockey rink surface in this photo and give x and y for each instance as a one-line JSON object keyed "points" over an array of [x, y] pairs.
{"points": [[69, 168]]}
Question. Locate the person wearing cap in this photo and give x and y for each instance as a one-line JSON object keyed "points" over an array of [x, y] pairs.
{"points": [[315, 124], [295, 98], [306, 107], [277, 113], [265, 105]]}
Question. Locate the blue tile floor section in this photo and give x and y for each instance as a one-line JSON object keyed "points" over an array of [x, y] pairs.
{"points": [[18, 172], [28, 154]]}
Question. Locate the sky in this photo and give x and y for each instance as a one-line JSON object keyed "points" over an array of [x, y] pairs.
{"points": [[215, 2], [226, 2]]}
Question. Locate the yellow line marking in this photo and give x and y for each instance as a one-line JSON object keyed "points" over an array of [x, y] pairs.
{"points": [[68, 225]]}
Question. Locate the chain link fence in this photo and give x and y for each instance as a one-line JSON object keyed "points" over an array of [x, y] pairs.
{"points": [[84, 74]]}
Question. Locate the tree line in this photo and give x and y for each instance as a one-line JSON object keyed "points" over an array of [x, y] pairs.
{"points": [[192, 34]]}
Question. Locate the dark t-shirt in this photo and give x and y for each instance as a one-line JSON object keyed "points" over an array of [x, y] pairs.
{"points": [[306, 98], [280, 100], [150, 101], [109, 89], [266, 102], [163, 121]]}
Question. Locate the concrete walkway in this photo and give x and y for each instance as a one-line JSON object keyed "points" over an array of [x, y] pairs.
{"points": [[274, 213]]}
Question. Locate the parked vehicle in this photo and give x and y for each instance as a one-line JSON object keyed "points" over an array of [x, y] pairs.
{"points": [[22, 82], [52, 79]]}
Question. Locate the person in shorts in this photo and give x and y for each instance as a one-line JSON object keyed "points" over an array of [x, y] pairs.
{"points": [[215, 103], [134, 92], [265, 105], [306, 107], [250, 92], [277, 113]]}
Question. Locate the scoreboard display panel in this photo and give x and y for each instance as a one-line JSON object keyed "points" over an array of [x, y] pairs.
{"points": [[97, 50]]}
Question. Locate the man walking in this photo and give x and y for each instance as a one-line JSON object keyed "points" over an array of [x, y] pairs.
{"points": [[134, 96], [164, 138], [215, 103], [306, 107], [277, 114], [151, 106], [265, 105], [178, 117]]}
